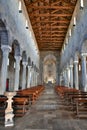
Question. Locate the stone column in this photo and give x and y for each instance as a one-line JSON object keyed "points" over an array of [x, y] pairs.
{"points": [[24, 75], [67, 76], [33, 77], [60, 79], [64, 73], [84, 82], [36, 78], [35, 73], [76, 81], [38, 82], [71, 76], [5, 49], [29, 77], [17, 70]]}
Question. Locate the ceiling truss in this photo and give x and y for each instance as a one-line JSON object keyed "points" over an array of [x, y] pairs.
{"points": [[50, 20]]}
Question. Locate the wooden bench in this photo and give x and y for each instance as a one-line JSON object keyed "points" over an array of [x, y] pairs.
{"points": [[32, 93], [81, 107], [74, 99], [3, 105], [20, 106]]}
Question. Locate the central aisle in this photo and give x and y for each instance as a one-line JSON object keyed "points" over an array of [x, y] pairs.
{"points": [[48, 113]]}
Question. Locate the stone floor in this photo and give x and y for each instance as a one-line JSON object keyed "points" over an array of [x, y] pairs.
{"points": [[48, 113]]}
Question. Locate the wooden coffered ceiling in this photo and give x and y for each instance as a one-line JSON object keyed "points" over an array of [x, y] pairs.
{"points": [[50, 20]]}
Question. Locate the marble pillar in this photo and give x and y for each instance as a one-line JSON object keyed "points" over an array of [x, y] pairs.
{"points": [[65, 80], [35, 73], [76, 80], [84, 80], [60, 79], [67, 76], [71, 76], [29, 77], [24, 75], [17, 72], [5, 49]]}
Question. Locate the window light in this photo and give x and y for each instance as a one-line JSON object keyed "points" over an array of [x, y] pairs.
{"points": [[74, 21], [26, 24], [20, 7], [67, 40], [70, 32], [81, 4], [79, 67]]}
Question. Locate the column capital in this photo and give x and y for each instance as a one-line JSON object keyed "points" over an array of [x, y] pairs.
{"points": [[5, 48], [76, 62], [83, 54], [29, 66], [67, 68], [71, 66], [18, 57], [24, 63]]}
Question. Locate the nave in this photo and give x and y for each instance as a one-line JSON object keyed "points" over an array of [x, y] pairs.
{"points": [[43, 43], [49, 113]]}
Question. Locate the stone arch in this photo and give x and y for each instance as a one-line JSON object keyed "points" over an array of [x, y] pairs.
{"points": [[3, 33], [76, 56], [32, 63], [50, 56], [16, 48], [71, 61], [29, 61], [24, 56], [84, 47], [49, 68]]}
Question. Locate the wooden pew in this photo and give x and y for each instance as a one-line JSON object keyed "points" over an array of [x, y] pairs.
{"points": [[24, 98], [32, 93], [20, 106], [75, 99], [81, 107], [3, 105]]}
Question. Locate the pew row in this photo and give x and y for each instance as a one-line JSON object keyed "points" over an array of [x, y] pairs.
{"points": [[20, 106], [75, 100], [25, 98], [3, 105]]}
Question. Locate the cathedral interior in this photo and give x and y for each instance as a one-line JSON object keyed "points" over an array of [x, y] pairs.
{"points": [[43, 64]]}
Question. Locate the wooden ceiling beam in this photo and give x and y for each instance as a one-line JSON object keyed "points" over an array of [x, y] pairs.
{"points": [[49, 7], [32, 3], [50, 26], [50, 50], [51, 21], [49, 46], [57, 2], [50, 31], [49, 38], [49, 41], [53, 35], [46, 15]]}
